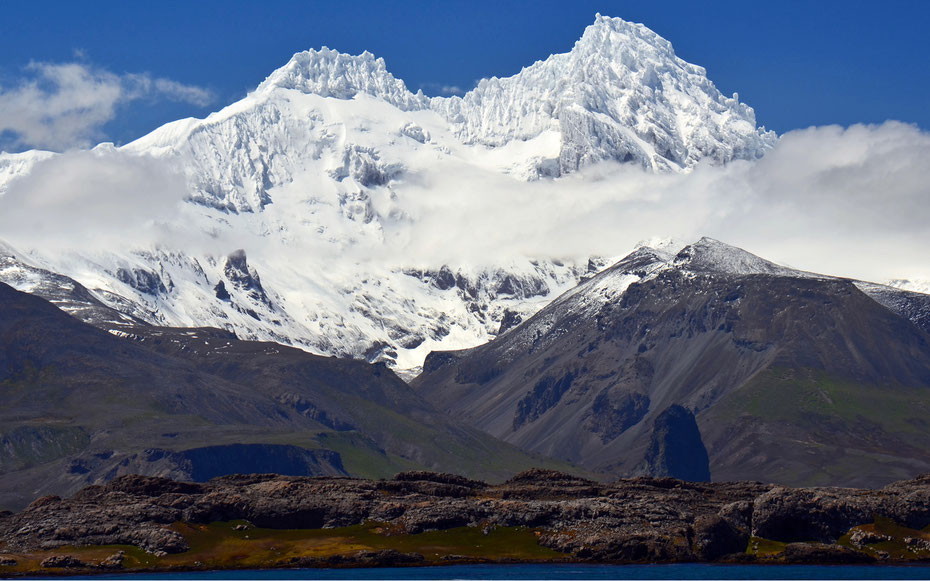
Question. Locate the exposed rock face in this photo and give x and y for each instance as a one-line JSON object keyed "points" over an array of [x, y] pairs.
{"points": [[202, 464], [675, 448], [510, 320], [243, 277], [639, 519], [63, 562], [142, 280]]}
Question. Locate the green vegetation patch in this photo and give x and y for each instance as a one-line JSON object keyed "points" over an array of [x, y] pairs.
{"points": [[361, 457], [886, 539], [32, 444], [221, 542], [759, 547], [233, 545], [805, 397]]}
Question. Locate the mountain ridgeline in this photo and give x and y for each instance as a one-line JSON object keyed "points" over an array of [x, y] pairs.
{"points": [[709, 364], [792, 377]]}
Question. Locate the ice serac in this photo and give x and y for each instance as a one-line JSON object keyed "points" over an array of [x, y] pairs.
{"points": [[621, 94]]}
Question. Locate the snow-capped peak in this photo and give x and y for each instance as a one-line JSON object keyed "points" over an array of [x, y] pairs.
{"points": [[620, 94], [618, 39], [330, 73], [709, 255]]}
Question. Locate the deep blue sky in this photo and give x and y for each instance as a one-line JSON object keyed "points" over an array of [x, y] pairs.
{"points": [[799, 63]]}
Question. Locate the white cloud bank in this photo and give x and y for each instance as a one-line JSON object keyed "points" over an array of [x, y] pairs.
{"points": [[92, 200], [64, 105], [851, 202]]}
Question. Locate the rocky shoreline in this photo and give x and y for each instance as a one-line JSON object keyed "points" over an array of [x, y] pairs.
{"points": [[137, 523]]}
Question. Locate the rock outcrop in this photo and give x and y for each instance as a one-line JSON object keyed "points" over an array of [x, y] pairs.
{"points": [[631, 520], [675, 448]]}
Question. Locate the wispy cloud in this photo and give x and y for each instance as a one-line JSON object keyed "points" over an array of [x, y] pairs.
{"points": [[59, 106], [442, 89], [845, 201], [90, 200]]}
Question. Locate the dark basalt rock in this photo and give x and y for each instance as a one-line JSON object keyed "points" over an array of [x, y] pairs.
{"points": [[541, 476], [114, 561], [544, 396], [440, 477], [715, 537], [612, 415], [675, 448], [142, 280], [221, 292], [437, 359], [823, 554], [63, 562], [509, 320], [522, 286], [243, 277], [631, 520], [444, 279]]}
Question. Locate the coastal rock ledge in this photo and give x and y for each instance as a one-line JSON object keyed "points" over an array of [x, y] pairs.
{"points": [[564, 518]]}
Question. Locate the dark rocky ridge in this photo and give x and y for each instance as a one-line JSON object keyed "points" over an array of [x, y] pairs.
{"points": [[632, 520], [793, 377]]}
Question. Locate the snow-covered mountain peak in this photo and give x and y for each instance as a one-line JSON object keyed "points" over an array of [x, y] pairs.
{"points": [[620, 94], [330, 73], [610, 36], [709, 255], [665, 245]]}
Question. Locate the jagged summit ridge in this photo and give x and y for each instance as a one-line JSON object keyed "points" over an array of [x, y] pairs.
{"points": [[330, 73], [620, 94]]}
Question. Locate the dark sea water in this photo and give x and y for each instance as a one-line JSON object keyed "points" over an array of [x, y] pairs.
{"points": [[572, 572]]}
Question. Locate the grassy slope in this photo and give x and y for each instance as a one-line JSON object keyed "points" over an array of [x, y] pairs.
{"points": [[820, 428]]}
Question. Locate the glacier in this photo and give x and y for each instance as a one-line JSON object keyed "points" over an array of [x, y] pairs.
{"points": [[295, 225]]}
